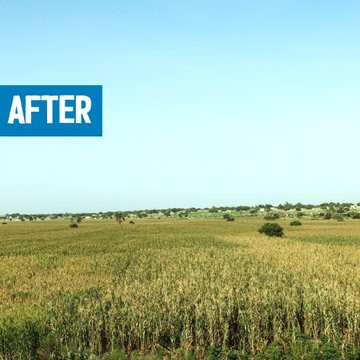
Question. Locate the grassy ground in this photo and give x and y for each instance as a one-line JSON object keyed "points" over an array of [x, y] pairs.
{"points": [[201, 288]]}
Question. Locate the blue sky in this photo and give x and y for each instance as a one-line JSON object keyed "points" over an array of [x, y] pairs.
{"points": [[205, 103]]}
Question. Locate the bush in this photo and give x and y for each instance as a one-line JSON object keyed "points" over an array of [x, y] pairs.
{"points": [[272, 216], [131, 222], [271, 229], [327, 216], [295, 223], [228, 217], [73, 226]]}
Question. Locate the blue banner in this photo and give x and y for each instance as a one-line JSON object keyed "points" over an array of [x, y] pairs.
{"points": [[51, 110]]}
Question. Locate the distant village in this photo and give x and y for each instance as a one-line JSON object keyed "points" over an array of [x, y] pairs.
{"points": [[338, 211]]}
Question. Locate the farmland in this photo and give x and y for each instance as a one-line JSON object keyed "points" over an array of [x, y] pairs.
{"points": [[179, 288]]}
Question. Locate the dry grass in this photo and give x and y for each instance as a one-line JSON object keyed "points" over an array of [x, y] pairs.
{"points": [[189, 285]]}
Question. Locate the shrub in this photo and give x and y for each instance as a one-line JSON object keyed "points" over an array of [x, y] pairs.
{"points": [[230, 219], [131, 222], [272, 216], [73, 225], [295, 223], [271, 229]]}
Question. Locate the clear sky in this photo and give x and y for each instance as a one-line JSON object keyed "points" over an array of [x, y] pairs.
{"points": [[205, 103]]}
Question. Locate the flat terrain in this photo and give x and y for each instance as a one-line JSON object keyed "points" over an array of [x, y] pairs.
{"points": [[178, 288]]}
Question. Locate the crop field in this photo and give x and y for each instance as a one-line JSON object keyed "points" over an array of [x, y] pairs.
{"points": [[179, 289]]}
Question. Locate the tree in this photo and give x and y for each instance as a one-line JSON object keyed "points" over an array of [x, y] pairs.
{"points": [[119, 218], [271, 229], [242, 208], [287, 206]]}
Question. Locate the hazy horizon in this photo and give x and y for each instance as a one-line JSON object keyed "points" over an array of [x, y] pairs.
{"points": [[263, 205], [205, 103]]}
